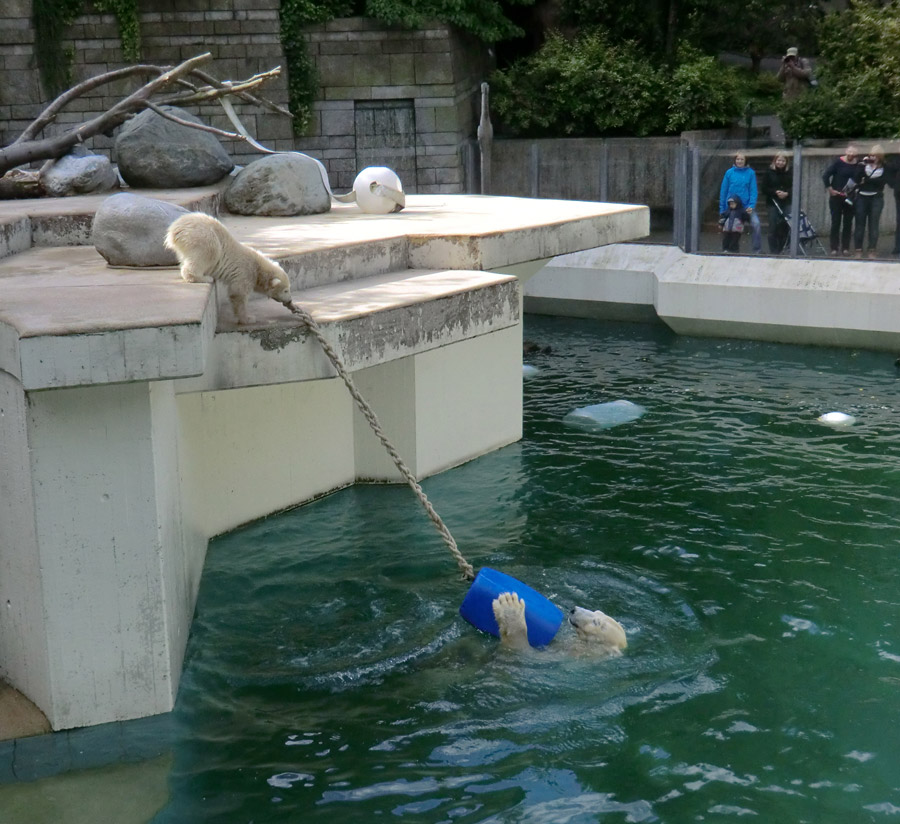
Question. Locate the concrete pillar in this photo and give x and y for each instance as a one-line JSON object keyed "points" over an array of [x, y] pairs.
{"points": [[93, 574]]}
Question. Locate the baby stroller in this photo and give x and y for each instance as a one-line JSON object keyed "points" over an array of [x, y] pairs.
{"points": [[807, 240]]}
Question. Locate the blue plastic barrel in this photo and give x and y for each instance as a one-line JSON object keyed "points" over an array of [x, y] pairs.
{"points": [[541, 615]]}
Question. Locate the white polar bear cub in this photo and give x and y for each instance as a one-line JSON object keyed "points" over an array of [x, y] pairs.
{"points": [[207, 251], [599, 632]]}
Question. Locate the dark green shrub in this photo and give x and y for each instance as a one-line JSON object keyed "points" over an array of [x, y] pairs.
{"points": [[702, 93], [592, 86], [586, 86]]}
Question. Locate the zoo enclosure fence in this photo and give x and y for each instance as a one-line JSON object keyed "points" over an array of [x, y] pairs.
{"points": [[677, 177]]}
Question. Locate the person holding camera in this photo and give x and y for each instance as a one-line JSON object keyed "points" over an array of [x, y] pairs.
{"points": [[868, 200], [795, 72], [840, 180]]}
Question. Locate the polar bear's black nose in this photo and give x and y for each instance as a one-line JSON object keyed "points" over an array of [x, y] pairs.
{"points": [[572, 611]]}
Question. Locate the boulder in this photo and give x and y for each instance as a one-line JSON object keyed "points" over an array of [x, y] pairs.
{"points": [[80, 173], [155, 153], [130, 230], [279, 184]]}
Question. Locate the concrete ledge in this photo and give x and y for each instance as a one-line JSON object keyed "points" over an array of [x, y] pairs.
{"points": [[827, 302], [368, 322]]}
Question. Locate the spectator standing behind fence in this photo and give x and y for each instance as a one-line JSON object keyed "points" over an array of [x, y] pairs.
{"points": [[776, 187], [740, 181], [840, 179], [732, 221], [796, 74], [868, 200]]}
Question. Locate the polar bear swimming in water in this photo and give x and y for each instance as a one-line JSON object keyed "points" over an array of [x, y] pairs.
{"points": [[595, 631]]}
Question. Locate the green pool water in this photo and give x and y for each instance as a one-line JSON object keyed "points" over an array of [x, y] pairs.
{"points": [[750, 552]]}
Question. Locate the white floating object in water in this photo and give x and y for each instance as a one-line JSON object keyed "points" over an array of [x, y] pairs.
{"points": [[837, 419], [528, 371], [378, 191], [604, 415]]}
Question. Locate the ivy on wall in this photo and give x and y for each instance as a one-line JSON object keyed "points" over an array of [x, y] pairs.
{"points": [[126, 14], [51, 19], [301, 72], [486, 19]]}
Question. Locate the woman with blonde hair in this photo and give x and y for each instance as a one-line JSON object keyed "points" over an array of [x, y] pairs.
{"points": [[869, 200], [776, 187]]}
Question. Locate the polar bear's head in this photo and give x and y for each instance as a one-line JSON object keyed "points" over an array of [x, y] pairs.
{"points": [[598, 628], [273, 281]]}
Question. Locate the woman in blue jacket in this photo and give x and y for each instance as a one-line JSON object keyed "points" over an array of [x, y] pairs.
{"points": [[740, 181]]}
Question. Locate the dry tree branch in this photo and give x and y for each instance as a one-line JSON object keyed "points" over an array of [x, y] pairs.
{"points": [[28, 148], [199, 126], [262, 102], [206, 93]]}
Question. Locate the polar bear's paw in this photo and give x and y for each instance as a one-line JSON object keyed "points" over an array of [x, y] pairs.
{"points": [[509, 610]]}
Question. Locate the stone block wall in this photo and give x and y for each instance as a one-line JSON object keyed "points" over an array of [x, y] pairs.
{"points": [[397, 98], [404, 99], [242, 35]]}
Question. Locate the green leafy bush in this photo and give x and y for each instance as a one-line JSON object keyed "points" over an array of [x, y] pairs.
{"points": [[486, 19], [702, 93], [587, 86], [592, 86]]}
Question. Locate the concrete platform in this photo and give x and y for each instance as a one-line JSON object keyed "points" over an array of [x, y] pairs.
{"points": [[821, 301], [137, 420]]}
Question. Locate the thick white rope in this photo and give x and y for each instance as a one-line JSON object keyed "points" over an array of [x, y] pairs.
{"points": [[468, 573]]}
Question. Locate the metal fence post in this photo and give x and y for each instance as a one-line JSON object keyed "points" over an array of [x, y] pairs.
{"points": [[695, 200], [485, 134], [678, 191], [604, 171], [795, 195]]}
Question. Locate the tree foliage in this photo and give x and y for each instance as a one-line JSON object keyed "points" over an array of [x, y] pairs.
{"points": [[751, 27], [593, 86], [488, 20], [859, 77]]}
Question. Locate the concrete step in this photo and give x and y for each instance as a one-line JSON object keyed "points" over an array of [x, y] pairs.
{"points": [[67, 221]]}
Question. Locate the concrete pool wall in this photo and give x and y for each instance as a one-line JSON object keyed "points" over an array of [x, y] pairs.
{"points": [[820, 301], [137, 420]]}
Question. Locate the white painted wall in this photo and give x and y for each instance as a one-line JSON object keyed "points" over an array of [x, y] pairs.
{"points": [[24, 660], [822, 301], [390, 390], [442, 407], [245, 453], [468, 399]]}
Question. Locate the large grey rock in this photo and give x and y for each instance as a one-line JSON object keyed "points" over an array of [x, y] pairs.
{"points": [[155, 153], [80, 173], [279, 184], [130, 230]]}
